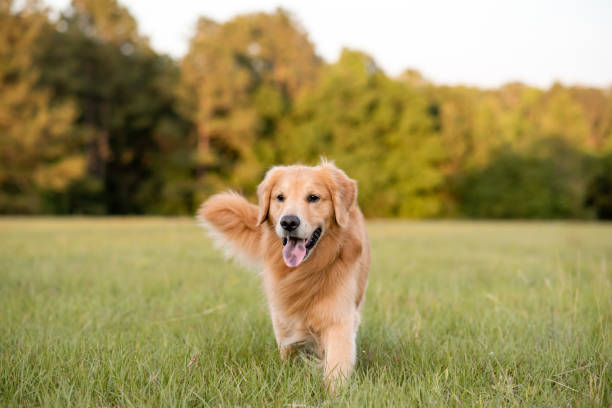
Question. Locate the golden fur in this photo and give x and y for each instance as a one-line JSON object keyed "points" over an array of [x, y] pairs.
{"points": [[318, 301]]}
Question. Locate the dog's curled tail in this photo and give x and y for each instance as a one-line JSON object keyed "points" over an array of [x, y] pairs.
{"points": [[232, 223]]}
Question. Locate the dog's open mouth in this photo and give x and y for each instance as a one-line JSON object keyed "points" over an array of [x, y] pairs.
{"points": [[295, 249]]}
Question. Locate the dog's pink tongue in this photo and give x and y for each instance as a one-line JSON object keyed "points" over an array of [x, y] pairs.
{"points": [[294, 252]]}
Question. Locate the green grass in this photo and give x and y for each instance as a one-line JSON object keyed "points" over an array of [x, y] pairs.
{"points": [[133, 312]]}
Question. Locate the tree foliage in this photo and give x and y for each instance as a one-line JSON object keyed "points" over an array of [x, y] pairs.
{"points": [[137, 143], [238, 80], [379, 130], [39, 151], [93, 120]]}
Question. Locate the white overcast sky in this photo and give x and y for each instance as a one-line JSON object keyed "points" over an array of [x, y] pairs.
{"points": [[473, 42]]}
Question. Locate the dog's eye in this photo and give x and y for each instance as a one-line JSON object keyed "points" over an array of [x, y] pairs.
{"points": [[312, 198], [280, 197]]}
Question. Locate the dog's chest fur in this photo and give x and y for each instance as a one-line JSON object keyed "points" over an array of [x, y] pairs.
{"points": [[316, 292]]}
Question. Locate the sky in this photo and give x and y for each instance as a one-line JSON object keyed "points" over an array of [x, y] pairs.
{"points": [[483, 43]]}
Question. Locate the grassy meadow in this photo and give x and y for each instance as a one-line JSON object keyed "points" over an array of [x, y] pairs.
{"points": [[144, 312]]}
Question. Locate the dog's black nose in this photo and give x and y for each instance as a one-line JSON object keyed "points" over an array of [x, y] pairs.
{"points": [[289, 222]]}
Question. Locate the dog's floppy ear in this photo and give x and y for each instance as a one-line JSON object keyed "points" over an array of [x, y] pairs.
{"points": [[263, 193], [343, 192]]}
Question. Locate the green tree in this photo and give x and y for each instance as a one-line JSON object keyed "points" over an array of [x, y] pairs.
{"points": [[599, 189], [109, 22], [138, 154], [39, 152], [379, 130], [549, 180], [93, 120], [596, 107], [558, 114], [238, 79]]}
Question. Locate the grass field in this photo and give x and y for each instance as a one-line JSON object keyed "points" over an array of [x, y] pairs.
{"points": [[133, 312]]}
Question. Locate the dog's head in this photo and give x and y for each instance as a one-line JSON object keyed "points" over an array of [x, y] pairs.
{"points": [[302, 203]]}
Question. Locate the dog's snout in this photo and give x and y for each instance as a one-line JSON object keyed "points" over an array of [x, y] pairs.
{"points": [[289, 222]]}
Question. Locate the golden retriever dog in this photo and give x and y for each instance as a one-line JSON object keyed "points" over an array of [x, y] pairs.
{"points": [[308, 237]]}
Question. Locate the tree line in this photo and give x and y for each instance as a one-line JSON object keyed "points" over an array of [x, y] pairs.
{"points": [[94, 121]]}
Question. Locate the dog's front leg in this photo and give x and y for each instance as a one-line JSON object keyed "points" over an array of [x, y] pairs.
{"points": [[338, 342], [286, 337], [280, 335]]}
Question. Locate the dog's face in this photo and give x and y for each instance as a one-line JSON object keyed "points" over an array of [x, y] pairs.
{"points": [[302, 204]]}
